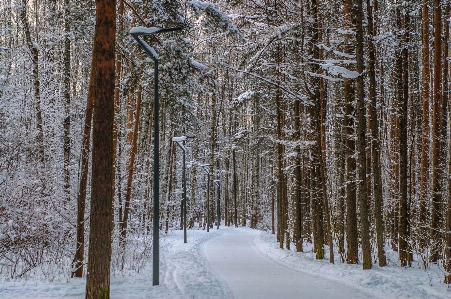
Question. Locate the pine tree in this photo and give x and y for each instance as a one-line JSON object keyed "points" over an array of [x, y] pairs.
{"points": [[101, 215]]}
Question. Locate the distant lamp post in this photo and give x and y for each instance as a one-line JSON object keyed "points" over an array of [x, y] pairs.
{"points": [[218, 202], [136, 32], [207, 170], [180, 141]]}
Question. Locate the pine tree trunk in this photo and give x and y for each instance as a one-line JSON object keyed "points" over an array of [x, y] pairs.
{"points": [[81, 197], [34, 50], [280, 175], [131, 168], [297, 180], [67, 79], [212, 155], [101, 216], [315, 115], [375, 141], [425, 139], [361, 140], [437, 171], [280, 150], [117, 90], [404, 238], [446, 99], [341, 166], [322, 139], [351, 201], [255, 164]]}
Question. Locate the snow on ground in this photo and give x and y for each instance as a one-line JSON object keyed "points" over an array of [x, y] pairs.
{"points": [[183, 274], [381, 282], [186, 273], [250, 274]]}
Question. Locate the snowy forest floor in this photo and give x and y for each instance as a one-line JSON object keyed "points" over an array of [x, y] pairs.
{"points": [[254, 264]]}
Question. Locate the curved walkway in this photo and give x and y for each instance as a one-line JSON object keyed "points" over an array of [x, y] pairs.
{"points": [[234, 258]]}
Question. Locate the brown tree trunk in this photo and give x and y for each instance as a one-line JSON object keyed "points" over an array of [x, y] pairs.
{"points": [[67, 78], [437, 168], [273, 200], [446, 98], [280, 149], [375, 141], [341, 165], [212, 157], [280, 173], [34, 50], [255, 177], [131, 167], [101, 216], [117, 92], [403, 95], [322, 139], [425, 139], [351, 201], [77, 264], [297, 180], [361, 140], [317, 160], [226, 191]]}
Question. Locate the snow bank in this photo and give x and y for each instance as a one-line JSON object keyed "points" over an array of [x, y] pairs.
{"points": [[386, 282]]}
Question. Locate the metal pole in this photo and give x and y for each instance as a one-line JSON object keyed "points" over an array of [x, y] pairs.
{"points": [[156, 184], [184, 198], [136, 32], [235, 216], [208, 202]]}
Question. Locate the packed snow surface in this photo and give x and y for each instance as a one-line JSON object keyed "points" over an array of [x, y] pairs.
{"points": [[251, 274], [239, 263]]}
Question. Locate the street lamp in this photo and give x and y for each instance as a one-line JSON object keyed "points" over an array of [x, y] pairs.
{"points": [[218, 202], [136, 32], [207, 170], [179, 141]]}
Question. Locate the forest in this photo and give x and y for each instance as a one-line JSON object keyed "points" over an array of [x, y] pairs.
{"points": [[325, 122]]}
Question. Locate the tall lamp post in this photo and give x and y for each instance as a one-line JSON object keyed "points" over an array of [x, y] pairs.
{"points": [[207, 170], [136, 32], [179, 141], [218, 202]]}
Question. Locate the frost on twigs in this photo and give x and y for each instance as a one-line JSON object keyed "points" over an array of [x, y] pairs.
{"points": [[214, 15], [243, 97]]}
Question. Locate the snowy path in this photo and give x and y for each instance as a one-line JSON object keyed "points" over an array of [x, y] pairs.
{"points": [[236, 262], [234, 257]]}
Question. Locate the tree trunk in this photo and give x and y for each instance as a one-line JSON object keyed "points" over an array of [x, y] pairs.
{"points": [[403, 95], [375, 142], [280, 150], [212, 155], [341, 166], [255, 164], [131, 168], [101, 216], [425, 139], [361, 140], [437, 171], [34, 50], [67, 79], [315, 115], [446, 98], [117, 92], [351, 201], [297, 180], [78, 262]]}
